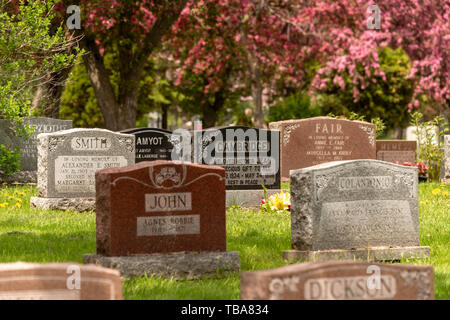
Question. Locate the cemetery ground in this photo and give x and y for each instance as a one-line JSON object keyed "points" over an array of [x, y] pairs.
{"points": [[33, 235]]}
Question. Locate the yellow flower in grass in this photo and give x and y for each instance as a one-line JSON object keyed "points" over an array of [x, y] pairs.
{"points": [[18, 200], [445, 193], [18, 205], [436, 191], [21, 194], [280, 201], [3, 205], [10, 198]]}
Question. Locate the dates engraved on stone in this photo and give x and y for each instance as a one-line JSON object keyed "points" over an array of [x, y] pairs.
{"points": [[168, 225], [166, 202], [76, 174], [349, 288]]}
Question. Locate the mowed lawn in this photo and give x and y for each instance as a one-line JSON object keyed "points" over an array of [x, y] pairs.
{"points": [[57, 236]]}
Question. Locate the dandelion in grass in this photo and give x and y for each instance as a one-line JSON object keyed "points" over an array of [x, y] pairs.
{"points": [[10, 198], [18, 200], [18, 205], [436, 191], [3, 205]]}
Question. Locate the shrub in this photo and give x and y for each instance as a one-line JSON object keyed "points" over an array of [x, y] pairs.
{"points": [[9, 160], [430, 142]]}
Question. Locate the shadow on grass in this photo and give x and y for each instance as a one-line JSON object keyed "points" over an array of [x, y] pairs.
{"points": [[29, 246]]}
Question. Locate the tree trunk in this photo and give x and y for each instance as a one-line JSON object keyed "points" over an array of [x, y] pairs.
{"points": [[257, 90], [210, 110], [165, 113], [120, 112], [398, 133]]}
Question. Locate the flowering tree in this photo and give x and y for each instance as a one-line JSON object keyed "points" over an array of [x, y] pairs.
{"points": [[271, 42], [133, 29]]}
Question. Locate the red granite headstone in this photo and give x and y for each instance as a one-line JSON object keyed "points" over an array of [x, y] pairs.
{"points": [[160, 207], [397, 150], [312, 141], [58, 281], [340, 281]]}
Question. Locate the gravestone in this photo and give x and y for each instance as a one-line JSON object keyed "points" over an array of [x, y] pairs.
{"points": [[447, 158], [396, 150], [313, 141], [358, 209], [58, 281], [250, 157], [340, 281], [68, 160], [152, 144], [164, 218], [28, 157]]}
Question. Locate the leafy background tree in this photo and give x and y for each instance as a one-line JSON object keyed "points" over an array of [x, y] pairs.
{"points": [[28, 52]]}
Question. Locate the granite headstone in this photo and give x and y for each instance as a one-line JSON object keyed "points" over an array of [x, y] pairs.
{"points": [[68, 160], [250, 156], [353, 207], [152, 144], [58, 281], [340, 281], [162, 210], [28, 147], [396, 151], [312, 141]]}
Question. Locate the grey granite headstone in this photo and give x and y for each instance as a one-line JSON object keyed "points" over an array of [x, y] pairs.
{"points": [[447, 158], [28, 157], [68, 160], [356, 205]]}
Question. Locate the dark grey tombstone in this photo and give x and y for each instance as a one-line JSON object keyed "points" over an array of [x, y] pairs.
{"points": [[152, 144], [246, 161]]}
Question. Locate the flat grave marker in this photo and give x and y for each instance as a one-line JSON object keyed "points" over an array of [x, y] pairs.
{"points": [[58, 281], [340, 281]]}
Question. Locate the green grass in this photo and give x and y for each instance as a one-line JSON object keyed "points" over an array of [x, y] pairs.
{"points": [[56, 236]]}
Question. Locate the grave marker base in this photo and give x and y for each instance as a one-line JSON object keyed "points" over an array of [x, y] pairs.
{"points": [[179, 265], [248, 198], [72, 204], [362, 254]]}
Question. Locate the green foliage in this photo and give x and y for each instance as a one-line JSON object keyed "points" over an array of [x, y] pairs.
{"points": [[295, 106], [379, 123], [385, 99], [28, 51], [429, 150], [78, 101], [9, 160]]}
